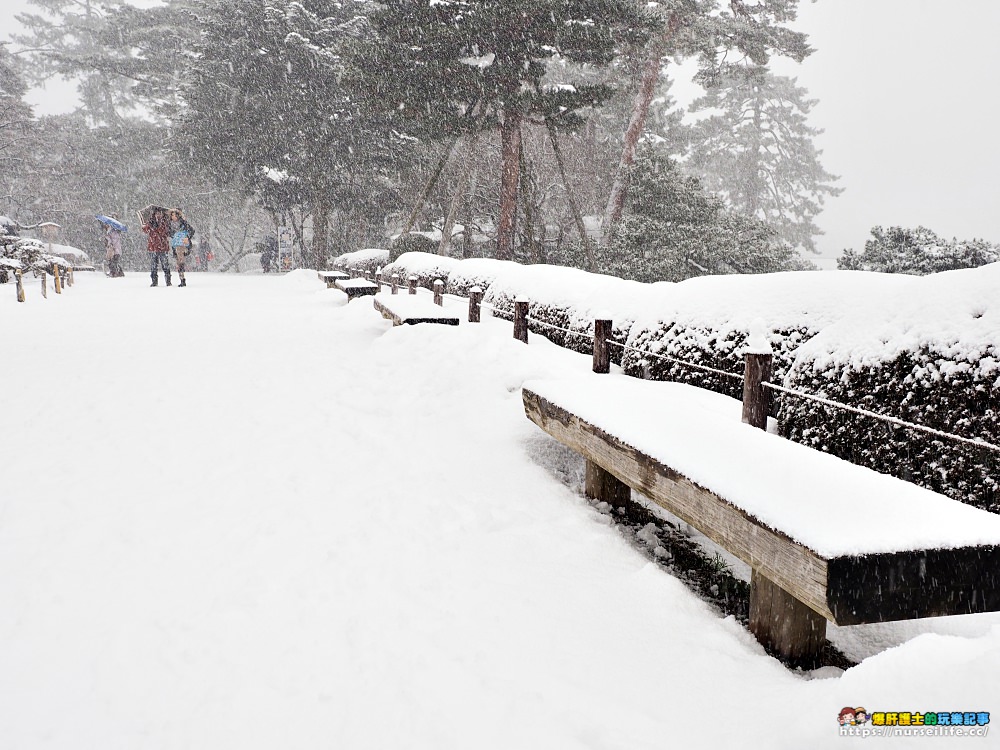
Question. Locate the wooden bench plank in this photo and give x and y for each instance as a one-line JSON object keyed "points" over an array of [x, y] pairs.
{"points": [[356, 287], [410, 310], [331, 277]]}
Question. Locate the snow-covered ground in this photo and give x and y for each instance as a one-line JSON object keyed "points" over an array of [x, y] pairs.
{"points": [[245, 514]]}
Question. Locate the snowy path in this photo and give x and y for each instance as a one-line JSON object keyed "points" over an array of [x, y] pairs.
{"points": [[246, 515]]}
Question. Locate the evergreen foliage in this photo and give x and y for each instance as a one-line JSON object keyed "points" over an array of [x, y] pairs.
{"points": [[673, 230], [756, 151], [917, 251]]}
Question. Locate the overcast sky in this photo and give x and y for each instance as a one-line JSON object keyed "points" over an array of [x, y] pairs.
{"points": [[907, 100]]}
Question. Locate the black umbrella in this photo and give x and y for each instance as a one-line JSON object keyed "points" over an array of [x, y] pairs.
{"points": [[146, 213]]}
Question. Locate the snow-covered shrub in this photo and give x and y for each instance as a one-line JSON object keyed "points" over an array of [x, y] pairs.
{"points": [[930, 355], [706, 321], [563, 303], [427, 267], [362, 262], [478, 272], [413, 242]]}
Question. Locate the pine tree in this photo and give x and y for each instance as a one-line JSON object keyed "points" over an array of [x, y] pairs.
{"points": [[267, 112], [672, 229], [756, 151], [445, 68], [719, 35], [917, 251]]}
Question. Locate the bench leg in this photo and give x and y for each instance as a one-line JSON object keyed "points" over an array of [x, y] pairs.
{"points": [[784, 625], [603, 485]]}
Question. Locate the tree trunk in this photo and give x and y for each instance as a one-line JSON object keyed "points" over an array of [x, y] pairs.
{"points": [[510, 174], [577, 216], [636, 124], [321, 219], [428, 187], [456, 200]]}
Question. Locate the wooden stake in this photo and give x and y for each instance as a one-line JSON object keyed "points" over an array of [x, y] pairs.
{"points": [[603, 485], [20, 285], [413, 284], [56, 281], [784, 625], [45, 285], [521, 320], [395, 283], [602, 352], [756, 398], [439, 292], [475, 300]]}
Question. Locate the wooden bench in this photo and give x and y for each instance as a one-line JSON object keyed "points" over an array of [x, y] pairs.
{"points": [[331, 277], [410, 309], [355, 287], [825, 539]]}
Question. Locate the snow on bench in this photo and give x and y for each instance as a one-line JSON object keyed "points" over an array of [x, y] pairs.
{"points": [[355, 287], [825, 539], [330, 277], [411, 309]]}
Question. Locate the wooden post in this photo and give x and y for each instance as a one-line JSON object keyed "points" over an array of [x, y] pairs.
{"points": [[395, 283], [475, 300], [69, 277], [603, 485], [56, 281], [45, 285], [20, 285], [784, 625], [602, 352], [413, 284], [756, 398], [521, 320], [439, 292], [378, 279]]}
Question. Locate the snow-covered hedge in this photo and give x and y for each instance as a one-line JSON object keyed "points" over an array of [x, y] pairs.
{"points": [[427, 267], [707, 320], [924, 349], [930, 355], [361, 262]]}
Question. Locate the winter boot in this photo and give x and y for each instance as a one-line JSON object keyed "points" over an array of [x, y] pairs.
{"points": [[183, 282], [168, 281], [154, 281]]}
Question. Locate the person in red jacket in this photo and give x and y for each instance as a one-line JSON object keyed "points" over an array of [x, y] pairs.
{"points": [[158, 244]]}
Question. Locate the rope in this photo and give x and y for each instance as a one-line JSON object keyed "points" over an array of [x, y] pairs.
{"points": [[978, 442], [681, 362], [557, 328]]}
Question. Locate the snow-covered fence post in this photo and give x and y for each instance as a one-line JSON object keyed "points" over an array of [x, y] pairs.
{"points": [[20, 285], [413, 284], [69, 277], [395, 283], [56, 281], [378, 279], [759, 358], [475, 300], [521, 320], [602, 352], [439, 292], [45, 285]]}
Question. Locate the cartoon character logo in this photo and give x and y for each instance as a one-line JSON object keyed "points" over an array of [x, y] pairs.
{"points": [[860, 715], [846, 716]]}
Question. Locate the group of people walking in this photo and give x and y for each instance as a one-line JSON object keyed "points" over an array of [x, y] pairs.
{"points": [[166, 231]]}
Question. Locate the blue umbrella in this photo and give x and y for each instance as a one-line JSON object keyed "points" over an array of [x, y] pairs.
{"points": [[113, 223]]}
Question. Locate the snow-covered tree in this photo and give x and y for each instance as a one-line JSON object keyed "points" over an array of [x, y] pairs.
{"points": [[720, 35], [450, 67], [266, 110], [917, 251], [672, 229], [755, 149]]}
